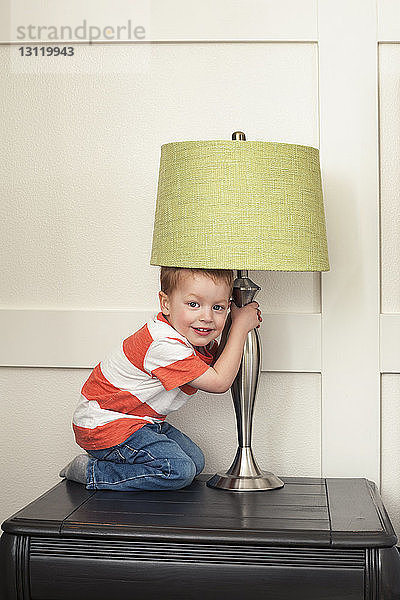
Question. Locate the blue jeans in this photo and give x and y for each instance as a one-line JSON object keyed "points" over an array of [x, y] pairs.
{"points": [[156, 457]]}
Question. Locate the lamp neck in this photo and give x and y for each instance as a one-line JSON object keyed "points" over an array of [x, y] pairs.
{"points": [[244, 289]]}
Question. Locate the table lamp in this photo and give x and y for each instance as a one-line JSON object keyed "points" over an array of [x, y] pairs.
{"points": [[237, 204]]}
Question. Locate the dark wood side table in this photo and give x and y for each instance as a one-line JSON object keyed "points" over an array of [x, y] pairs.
{"points": [[313, 539]]}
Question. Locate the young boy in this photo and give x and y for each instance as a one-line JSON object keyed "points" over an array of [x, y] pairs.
{"points": [[120, 419]]}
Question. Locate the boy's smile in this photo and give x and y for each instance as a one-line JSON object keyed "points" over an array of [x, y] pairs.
{"points": [[197, 308]]}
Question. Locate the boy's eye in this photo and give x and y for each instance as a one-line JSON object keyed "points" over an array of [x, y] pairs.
{"points": [[218, 307], [193, 304]]}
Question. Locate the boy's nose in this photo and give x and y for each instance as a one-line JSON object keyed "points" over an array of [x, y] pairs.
{"points": [[206, 315]]}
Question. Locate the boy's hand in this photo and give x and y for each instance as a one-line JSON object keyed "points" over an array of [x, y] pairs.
{"points": [[247, 317]]}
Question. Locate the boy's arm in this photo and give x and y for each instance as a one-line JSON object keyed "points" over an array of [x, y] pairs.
{"points": [[219, 378]]}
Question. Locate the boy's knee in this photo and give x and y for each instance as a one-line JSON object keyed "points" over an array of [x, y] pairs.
{"points": [[182, 471]]}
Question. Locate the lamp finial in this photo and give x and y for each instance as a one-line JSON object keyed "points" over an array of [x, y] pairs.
{"points": [[239, 135]]}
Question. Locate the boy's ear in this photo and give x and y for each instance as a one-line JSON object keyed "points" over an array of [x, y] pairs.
{"points": [[164, 303]]}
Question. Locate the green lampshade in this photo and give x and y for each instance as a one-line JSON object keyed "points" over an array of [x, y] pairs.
{"points": [[240, 205]]}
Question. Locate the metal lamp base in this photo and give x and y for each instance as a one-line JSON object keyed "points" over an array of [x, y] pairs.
{"points": [[245, 475], [266, 481]]}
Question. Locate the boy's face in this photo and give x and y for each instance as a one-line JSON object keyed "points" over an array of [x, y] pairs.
{"points": [[197, 308]]}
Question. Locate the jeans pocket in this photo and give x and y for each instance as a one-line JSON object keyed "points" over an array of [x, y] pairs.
{"points": [[113, 455]]}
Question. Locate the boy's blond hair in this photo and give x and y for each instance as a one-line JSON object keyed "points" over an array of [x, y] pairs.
{"points": [[171, 276]]}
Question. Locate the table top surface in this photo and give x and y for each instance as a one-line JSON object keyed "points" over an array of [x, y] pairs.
{"points": [[331, 512]]}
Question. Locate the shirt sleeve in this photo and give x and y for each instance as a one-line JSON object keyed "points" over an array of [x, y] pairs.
{"points": [[173, 363]]}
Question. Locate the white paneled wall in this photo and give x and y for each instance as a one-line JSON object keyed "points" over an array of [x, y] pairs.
{"points": [[81, 166], [391, 446], [79, 161], [350, 291], [389, 104], [35, 431], [81, 156]]}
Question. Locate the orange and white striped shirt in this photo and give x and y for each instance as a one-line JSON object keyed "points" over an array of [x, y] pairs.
{"points": [[141, 381]]}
